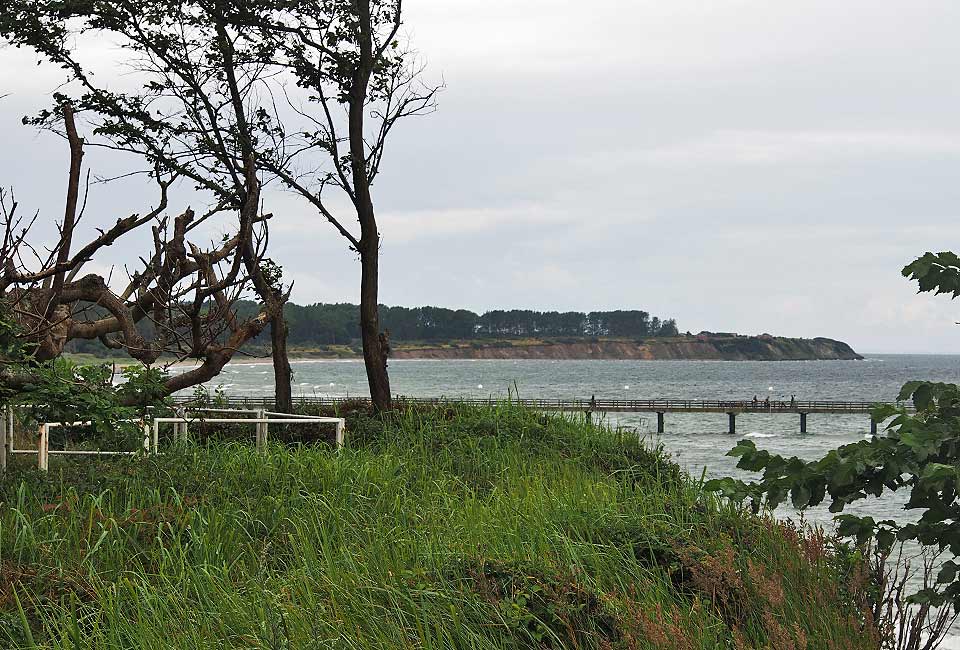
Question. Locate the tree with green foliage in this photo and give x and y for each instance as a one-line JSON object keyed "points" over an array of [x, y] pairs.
{"points": [[347, 57], [213, 74], [919, 452], [196, 113]]}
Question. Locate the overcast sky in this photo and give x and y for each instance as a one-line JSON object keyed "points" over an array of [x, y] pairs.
{"points": [[738, 165]]}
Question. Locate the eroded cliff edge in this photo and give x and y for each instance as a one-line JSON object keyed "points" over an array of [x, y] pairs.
{"points": [[701, 347]]}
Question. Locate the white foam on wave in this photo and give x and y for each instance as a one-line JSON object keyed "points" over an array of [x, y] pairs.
{"points": [[304, 362], [756, 434]]}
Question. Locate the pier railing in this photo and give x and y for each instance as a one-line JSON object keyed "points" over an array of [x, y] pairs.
{"points": [[597, 404]]}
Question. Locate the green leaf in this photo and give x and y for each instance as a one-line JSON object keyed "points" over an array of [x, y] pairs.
{"points": [[938, 472], [927, 597], [885, 539], [948, 572], [800, 495], [906, 392]]}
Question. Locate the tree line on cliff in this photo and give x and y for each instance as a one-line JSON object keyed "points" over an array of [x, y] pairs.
{"points": [[339, 324]]}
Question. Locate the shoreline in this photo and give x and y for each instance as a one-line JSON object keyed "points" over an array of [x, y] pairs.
{"points": [[703, 347], [121, 363]]}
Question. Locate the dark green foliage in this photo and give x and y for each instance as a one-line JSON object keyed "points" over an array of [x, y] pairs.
{"points": [[938, 272], [919, 452], [61, 391], [340, 323]]}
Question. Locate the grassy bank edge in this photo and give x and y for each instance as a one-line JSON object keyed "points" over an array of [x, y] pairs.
{"points": [[486, 527]]}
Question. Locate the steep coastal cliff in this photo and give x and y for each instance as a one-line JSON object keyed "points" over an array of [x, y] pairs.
{"points": [[719, 347]]}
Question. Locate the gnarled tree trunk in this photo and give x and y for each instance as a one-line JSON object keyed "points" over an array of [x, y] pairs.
{"points": [[282, 374]]}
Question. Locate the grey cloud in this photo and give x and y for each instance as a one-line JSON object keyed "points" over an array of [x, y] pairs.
{"points": [[739, 165]]}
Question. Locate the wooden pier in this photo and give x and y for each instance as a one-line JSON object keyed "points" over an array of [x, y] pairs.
{"points": [[596, 405]]}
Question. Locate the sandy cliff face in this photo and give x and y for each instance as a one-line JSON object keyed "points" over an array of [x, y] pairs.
{"points": [[761, 348]]}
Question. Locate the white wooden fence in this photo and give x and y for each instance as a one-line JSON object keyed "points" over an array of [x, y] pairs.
{"points": [[262, 419]]}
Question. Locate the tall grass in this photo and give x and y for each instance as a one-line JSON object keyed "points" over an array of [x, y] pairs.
{"points": [[458, 527]]}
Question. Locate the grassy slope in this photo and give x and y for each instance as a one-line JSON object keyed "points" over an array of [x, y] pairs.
{"points": [[465, 528]]}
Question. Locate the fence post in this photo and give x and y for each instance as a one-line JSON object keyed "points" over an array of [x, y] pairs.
{"points": [[11, 429], [180, 428], [156, 436], [146, 436], [341, 425], [261, 432], [43, 449], [3, 442]]}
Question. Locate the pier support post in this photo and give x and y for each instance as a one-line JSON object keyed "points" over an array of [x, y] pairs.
{"points": [[803, 423], [732, 417], [873, 427], [659, 422]]}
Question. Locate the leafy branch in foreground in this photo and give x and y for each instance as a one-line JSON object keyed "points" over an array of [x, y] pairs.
{"points": [[919, 452], [58, 390], [939, 273]]}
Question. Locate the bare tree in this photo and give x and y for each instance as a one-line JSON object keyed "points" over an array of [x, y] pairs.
{"points": [[180, 302], [905, 625]]}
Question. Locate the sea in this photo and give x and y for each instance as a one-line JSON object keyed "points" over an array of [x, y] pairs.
{"points": [[698, 442]]}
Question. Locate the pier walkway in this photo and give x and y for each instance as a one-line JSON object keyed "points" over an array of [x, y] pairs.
{"points": [[593, 405]]}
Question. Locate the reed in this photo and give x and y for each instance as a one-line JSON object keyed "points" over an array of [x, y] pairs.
{"points": [[455, 527]]}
